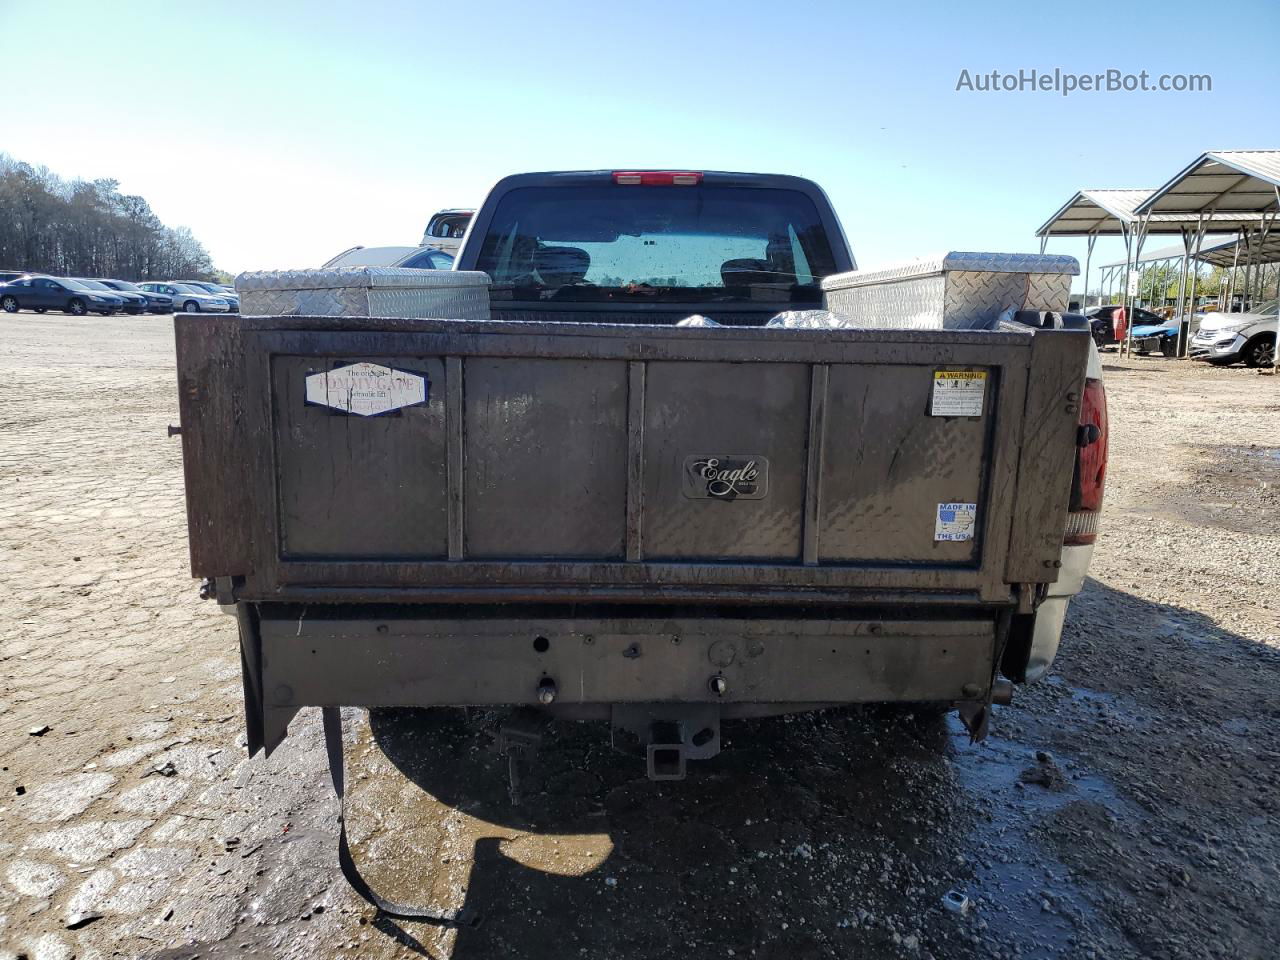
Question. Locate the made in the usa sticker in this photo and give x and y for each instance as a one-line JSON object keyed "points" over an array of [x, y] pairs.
{"points": [[958, 393], [956, 521]]}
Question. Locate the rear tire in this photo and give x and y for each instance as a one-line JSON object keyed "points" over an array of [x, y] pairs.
{"points": [[191, 307], [9, 305], [76, 308], [1260, 351]]}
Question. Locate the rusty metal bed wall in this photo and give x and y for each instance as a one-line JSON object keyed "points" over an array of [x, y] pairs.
{"points": [[232, 455]]}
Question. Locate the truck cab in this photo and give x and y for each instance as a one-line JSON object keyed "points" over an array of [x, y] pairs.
{"points": [[655, 246]]}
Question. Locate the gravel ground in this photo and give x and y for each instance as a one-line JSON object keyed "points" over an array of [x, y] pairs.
{"points": [[1127, 807]]}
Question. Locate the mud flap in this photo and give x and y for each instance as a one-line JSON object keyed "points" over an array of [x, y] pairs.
{"points": [[333, 747], [976, 718], [251, 676], [265, 727], [976, 715]]}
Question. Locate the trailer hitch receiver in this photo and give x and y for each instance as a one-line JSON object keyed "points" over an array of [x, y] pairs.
{"points": [[668, 734]]}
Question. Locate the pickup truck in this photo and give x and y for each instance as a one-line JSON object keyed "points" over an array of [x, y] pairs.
{"points": [[837, 487]]}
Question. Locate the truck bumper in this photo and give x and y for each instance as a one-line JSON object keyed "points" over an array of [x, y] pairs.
{"points": [[744, 666]]}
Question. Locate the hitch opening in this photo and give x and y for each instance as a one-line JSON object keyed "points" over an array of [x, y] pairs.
{"points": [[665, 751], [669, 735]]}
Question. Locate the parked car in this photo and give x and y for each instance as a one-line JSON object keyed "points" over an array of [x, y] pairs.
{"points": [[1226, 338], [217, 289], [134, 303], [7, 275], [1156, 338], [417, 258], [446, 229], [188, 299], [1102, 321], [40, 293], [156, 302]]}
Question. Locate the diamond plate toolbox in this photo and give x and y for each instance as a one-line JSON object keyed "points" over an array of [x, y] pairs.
{"points": [[366, 292], [955, 291]]}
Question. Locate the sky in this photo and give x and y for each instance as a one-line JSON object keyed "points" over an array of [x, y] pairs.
{"points": [[283, 133]]}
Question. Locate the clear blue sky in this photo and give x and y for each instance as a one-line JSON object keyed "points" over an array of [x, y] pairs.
{"points": [[283, 133]]}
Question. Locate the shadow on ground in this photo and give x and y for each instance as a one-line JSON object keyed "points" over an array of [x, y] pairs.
{"points": [[807, 834], [836, 834]]}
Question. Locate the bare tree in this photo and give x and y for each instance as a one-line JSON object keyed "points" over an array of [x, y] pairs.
{"points": [[77, 228]]}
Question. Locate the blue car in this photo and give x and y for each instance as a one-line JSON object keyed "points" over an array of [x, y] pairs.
{"points": [[41, 293], [1156, 338]]}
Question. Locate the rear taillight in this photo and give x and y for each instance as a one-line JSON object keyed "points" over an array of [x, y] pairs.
{"points": [[656, 178], [1090, 479]]}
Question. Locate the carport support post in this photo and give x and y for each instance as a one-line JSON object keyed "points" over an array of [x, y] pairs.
{"points": [[1248, 275], [1235, 260], [1124, 288], [1088, 255], [1179, 312], [1275, 348], [1137, 236], [1195, 273]]}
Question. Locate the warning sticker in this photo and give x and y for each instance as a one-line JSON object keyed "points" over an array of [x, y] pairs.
{"points": [[366, 389], [955, 521], [958, 393]]}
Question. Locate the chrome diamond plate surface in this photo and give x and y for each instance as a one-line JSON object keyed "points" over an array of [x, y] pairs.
{"points": [[366, 292], [914, 303], [956, 260], [1047, 291], [956, 291], [360, 277]]}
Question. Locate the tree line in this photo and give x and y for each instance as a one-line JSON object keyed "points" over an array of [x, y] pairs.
{"points": [[80, 228]]}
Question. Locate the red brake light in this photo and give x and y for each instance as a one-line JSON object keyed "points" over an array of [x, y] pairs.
{"points": [[1090, 478], [656, 178]]}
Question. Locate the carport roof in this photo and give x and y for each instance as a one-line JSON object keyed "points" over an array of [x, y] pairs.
{"points": [[1105, 212], [1164, 253], [1224, 181], [1109, 213], [1224, 254]]}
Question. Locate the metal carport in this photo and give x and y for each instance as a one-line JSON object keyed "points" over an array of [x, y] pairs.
{"points": [[1118, 213], [1239, 183]]}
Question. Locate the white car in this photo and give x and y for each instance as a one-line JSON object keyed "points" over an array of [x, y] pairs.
{"points": [[446, 229], [217, 289], [188, 299], [1224, 338], [418, 258]]}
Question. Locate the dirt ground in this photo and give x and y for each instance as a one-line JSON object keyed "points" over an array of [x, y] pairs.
{"points": [[1126, 807]]}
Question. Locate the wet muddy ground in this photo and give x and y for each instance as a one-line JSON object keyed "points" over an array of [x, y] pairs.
{"points": [[1127, 807]]}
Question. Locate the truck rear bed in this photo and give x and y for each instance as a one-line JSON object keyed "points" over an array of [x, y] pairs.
{"points": [[627, 484]]}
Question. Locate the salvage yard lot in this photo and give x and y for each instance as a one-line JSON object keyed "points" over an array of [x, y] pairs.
{"points": [[134, 826]]}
